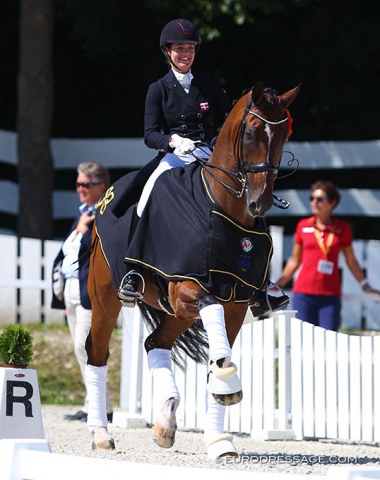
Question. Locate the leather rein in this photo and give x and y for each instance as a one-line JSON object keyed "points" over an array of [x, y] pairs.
{"points": [[243, 168]]}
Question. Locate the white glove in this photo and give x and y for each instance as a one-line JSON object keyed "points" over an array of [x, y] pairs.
{"points": [[181, 145]]}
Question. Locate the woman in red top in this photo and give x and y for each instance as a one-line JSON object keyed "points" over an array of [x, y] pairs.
{"points": [[317, 243]]}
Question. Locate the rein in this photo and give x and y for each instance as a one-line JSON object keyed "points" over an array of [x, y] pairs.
{"points": [[243, 169]]}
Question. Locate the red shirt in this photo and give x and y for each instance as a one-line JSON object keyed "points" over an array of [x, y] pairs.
{"points": [[320, 245]]}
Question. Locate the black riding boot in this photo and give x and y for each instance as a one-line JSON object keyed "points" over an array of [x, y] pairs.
{"points": [[261, 302], [129, 291]]}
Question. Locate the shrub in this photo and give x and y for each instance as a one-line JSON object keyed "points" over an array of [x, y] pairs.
{"points": [[16, 346]]}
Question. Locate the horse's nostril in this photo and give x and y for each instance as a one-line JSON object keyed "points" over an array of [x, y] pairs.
{"points": [[253, 208]]}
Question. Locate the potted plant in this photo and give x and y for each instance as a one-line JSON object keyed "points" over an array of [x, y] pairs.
{"points": [[16, 347]]}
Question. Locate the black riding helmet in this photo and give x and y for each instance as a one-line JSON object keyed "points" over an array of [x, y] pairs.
{"points": [[179, 31]]}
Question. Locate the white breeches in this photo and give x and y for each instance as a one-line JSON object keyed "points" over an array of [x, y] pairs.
{"points": [[169, 161]]}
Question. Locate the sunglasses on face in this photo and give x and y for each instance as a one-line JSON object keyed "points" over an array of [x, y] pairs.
{"points": [[86, 184], [317, 199]]}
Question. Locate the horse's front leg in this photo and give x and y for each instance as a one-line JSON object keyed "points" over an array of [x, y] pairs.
{"points": [[105, 310], [218, 443], [223, 381]]}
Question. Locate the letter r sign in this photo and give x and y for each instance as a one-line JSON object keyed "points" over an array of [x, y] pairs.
{"points": [[26, 391]]}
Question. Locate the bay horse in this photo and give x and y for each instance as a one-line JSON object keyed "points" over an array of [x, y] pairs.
{"points": [[239, 177]]}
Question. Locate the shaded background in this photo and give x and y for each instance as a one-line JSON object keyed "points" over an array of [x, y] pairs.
{"points": [[105, 54]]}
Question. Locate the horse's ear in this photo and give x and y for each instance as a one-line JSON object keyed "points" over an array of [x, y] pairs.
{"points": [[257, 92], [288, 98]]}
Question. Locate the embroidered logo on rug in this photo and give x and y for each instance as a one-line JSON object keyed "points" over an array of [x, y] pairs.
{"points": [[204, 106], [105, 200], [246, 244]]}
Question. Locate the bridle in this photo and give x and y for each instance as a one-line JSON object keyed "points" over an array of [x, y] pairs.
{"points": [[243, 169]]}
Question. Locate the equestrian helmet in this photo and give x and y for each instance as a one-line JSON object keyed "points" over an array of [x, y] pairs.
{"points": [[179, 31]]}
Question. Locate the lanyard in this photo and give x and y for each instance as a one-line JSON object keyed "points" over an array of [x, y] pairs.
{"points": [[329, 240]]}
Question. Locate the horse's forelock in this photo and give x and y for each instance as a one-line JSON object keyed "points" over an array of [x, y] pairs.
{"points": [[271, 96]]}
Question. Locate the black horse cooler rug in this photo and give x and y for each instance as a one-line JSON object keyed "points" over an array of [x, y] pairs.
{"points": [[184, 235]]}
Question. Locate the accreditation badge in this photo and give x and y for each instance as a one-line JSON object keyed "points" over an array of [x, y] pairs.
{"points": [[326, 267]]}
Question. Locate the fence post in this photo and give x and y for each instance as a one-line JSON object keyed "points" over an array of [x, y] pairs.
{"points": [[283, 320], [277, 234]]}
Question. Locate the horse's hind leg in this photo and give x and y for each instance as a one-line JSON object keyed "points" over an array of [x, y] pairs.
{"points": [[166, 396], [105, 310]]}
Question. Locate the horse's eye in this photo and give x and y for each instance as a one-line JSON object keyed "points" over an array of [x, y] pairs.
{"points": [[249, 134]]}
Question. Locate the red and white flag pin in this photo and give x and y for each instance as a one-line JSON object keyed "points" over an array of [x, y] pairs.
{"points": [[204, 106]]}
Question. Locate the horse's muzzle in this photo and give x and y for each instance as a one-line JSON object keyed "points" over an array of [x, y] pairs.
{"points": [[259, 208]]}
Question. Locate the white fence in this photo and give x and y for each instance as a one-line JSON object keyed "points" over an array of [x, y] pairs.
{"points": [[25, 280], [299, 381]]}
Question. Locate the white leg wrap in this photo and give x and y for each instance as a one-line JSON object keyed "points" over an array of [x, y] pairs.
{"points": [[160, 365], [214, 423], [218, 443], [213, 320], [96, 379]]}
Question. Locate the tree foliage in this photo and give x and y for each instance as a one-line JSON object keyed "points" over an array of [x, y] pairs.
{"points": [[106, 54]]}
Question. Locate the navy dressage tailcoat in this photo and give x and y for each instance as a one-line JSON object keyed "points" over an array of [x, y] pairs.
{"points": [[196, 115]]}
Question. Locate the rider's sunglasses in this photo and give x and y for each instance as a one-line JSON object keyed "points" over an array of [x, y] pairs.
{"points": [[86, 184], [317, 199]]}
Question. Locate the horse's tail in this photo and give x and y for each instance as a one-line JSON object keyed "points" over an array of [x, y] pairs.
{"points": [[192, 343]]}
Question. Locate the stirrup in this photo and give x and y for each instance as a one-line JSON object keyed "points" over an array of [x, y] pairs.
{"points": [[263, 302], [127, 296]]}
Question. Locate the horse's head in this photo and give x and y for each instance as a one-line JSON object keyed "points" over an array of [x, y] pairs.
{"points": [[263, 129], [256, 130]]}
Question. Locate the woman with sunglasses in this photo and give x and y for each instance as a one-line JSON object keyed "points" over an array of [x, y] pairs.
{"points": [[317, 243]]}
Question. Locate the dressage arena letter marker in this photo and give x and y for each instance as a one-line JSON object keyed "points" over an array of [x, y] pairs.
{"points": [[20, 405], [25, 399]]}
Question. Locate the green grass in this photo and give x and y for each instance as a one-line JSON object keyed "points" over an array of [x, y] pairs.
{"points": [[58, 373]]}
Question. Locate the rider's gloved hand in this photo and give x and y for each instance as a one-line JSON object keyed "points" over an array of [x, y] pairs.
{"points": [[181, 145]]}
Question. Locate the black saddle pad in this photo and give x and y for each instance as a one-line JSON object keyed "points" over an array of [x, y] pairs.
{"points": [[114, 217], [183, 234]]}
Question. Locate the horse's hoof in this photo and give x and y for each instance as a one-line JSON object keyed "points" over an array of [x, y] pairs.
{"points": [[224, 384], [163, 437], [221, 447], [227, 400], [166, 424], [102, 440]]}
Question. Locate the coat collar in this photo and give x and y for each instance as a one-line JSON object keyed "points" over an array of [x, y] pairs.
{"points": [[173, 84]]}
